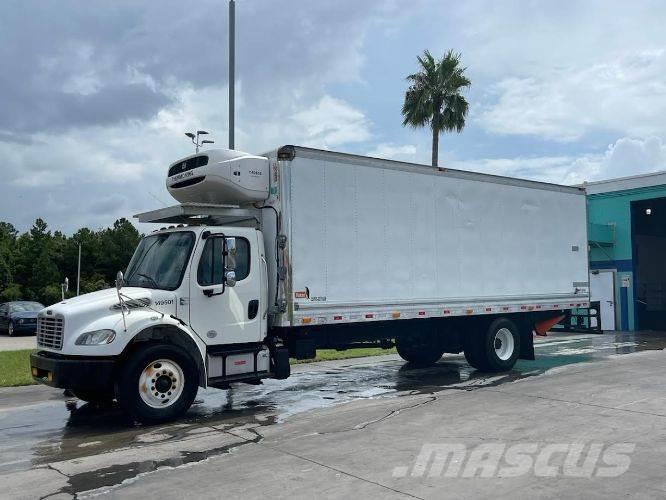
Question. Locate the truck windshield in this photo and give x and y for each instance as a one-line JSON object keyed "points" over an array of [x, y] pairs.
{"points": [[160, 260]]}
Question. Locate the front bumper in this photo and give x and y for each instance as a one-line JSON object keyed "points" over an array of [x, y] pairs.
{"points": [[70, 372]]}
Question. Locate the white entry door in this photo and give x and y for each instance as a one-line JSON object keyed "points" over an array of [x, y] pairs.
{"points": [[602, 289]]}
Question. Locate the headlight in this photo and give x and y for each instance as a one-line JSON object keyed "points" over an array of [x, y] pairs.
{"points": [[20, 322], [97, 337]]}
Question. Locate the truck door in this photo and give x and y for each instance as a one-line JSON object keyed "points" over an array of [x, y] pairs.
{"points": [[234, 315]]}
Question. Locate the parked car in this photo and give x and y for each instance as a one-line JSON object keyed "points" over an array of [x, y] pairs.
{"points": [[19, 317]]}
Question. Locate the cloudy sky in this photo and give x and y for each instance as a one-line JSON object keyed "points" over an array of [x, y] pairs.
{"points": [[95, 96]]}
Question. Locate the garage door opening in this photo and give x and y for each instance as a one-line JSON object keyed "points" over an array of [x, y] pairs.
{"points": [[648, 220]]}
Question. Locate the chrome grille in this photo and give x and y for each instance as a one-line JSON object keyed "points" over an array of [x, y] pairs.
{"points": [[49, 332]]}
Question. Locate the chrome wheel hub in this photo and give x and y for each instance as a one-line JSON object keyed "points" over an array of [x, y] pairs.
{"points": [[161, 383], [504, 344]]}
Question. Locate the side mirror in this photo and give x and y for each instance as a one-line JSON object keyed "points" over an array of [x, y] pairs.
{"points": [[230, 261], [119, 280], [230, 278]]}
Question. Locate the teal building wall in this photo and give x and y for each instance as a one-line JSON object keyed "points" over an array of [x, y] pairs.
{"points": [[609, 232]]}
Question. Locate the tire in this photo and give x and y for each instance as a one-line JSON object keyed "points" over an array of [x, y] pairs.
{"points": [[419, 349], [472, 353], [103, 395], [496, 349], [10, 329], [170, 379]]}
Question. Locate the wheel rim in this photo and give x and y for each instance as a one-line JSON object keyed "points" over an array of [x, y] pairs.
{"points": [[161, 383], [10, 329], [504, 344]]}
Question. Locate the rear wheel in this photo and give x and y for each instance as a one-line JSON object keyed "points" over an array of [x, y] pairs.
{"points": [[496, 348], [158, 383], [420, 348]]}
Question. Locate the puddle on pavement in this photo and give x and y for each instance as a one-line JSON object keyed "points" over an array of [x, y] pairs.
{"points": [[96, 481], [51, 431]]}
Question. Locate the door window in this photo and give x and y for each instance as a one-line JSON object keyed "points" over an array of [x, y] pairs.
{"points": [[211, 271], [242, 258]]}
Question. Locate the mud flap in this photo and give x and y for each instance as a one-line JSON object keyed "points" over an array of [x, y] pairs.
{"points": [[280, 363], [526, 343]]}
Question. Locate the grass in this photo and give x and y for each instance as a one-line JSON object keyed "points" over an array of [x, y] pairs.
{"points": [[15, 365], [332, 354], [15, 368]]}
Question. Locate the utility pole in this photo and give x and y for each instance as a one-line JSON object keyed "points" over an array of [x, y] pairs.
{"points": [[232, 69], [78, 274]]}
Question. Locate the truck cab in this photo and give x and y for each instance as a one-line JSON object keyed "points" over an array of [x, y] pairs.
{"points": [[190, 311]]}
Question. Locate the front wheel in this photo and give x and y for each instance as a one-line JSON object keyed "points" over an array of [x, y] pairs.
{"points": [[10, 329], [158, 383]]}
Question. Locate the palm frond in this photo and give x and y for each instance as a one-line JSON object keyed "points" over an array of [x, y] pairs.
{"points": [[434, 96]]}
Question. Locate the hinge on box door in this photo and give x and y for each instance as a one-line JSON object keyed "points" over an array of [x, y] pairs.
{"points": [[282, 272], [282, 240]]}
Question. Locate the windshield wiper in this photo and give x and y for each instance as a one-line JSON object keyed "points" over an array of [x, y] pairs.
{"points": [[150, 278]]}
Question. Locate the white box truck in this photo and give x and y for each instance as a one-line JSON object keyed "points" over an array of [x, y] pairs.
{"points": [[271, 257]]}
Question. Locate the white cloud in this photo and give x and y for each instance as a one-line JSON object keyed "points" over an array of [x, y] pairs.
{"points": [[626, 95], [331, 122], [634, 156], [390, 151], [555, 169], [96, 147], [97, 109], [94, 175], [625, 157]]}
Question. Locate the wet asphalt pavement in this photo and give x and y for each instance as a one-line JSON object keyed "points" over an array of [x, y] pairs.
{"points": [[39, 427]]}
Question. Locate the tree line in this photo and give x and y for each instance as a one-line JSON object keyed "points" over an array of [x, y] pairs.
{"points": [[35, 263]]}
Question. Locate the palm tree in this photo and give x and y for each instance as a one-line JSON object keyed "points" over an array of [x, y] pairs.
{"points": [[435, 97]]}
